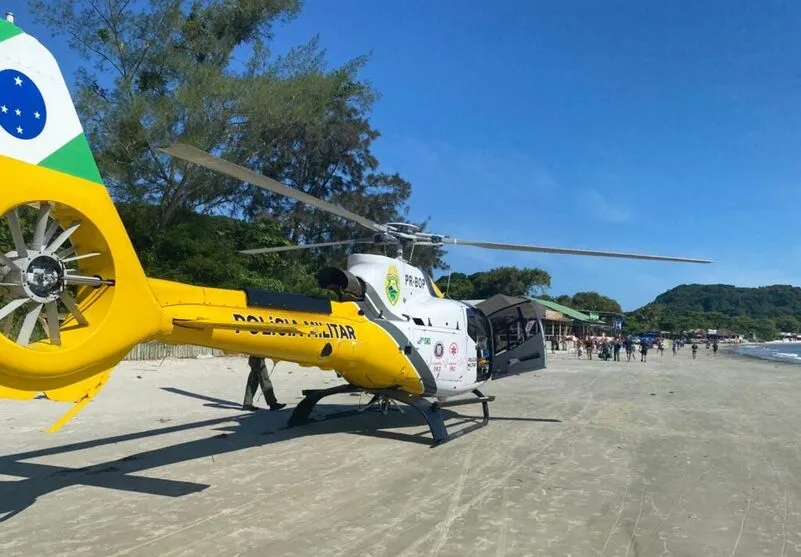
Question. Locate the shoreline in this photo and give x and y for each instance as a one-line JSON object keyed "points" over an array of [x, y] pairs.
{"points": [[737, 352]]}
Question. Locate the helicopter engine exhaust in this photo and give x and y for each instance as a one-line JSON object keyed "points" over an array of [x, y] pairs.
{"points": [[345, 284]]}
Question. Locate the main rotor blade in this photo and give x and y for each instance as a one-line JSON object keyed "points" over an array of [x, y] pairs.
{"points": [[206, 160], [567, 251], [305, 246]]}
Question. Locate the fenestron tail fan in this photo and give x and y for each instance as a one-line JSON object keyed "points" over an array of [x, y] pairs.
{"points": [[74, 298]]}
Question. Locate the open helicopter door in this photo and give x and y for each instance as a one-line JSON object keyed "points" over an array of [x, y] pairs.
{"points": [[518, 335]]}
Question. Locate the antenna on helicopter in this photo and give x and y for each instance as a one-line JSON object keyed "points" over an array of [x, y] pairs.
{"points": [[396, 233]]}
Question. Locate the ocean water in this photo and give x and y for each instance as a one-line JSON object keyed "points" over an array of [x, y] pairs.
{"points": [[780, 352]]}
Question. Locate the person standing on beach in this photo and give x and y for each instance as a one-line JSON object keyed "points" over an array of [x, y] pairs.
{"points": [[673, 345], [618, 346], [643, 351], [715, 347], [695, 349], [259, 376]]}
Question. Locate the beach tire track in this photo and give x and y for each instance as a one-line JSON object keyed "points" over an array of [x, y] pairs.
{"points": [[617, 520], [211, 531], [479, 497], [501, 550], [786, 506], [457, 494], [416, 502], [493, 485], [636, 524], [745, 515], [672, 508]]}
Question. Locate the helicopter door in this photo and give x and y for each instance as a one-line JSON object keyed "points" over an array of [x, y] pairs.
{"points": [[479, 330]]}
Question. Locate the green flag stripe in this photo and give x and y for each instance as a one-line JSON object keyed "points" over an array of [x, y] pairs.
{"points": [[75, 158], [8, 30]]}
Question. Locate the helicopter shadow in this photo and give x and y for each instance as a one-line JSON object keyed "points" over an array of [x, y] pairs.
{"points": [[234, 433], [213, 402]]}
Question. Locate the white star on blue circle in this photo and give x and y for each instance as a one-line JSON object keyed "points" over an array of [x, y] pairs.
{"points": [[22, 108]]}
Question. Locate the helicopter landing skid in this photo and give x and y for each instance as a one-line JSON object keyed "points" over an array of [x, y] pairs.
{"points": [[302, 412], [383, 401]]}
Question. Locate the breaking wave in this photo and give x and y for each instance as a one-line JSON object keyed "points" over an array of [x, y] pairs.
{"points": [[780, 352]]}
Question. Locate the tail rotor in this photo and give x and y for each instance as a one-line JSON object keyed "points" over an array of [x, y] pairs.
{"points": [[46, 272]]}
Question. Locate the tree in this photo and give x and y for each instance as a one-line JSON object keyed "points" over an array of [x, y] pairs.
{"points": [[166, 71], [327, 154], [457, 286], [592, 301], [564, 299], [163, 74], [203, 250], [511, 281], [586, 301], [788, 324]]}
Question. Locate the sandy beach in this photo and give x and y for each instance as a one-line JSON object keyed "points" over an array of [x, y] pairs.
{"points": [[588, 458]]}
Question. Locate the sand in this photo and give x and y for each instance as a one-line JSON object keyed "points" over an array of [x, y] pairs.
{"points": [[672, 457]]}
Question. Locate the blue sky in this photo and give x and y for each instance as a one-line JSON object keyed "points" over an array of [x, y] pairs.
{"points": [[669, 128]]}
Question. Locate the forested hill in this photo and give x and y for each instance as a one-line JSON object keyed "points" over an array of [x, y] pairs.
{"points": [[765, 301], [764, 310]]}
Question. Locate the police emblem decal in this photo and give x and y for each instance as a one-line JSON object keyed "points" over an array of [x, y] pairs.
{"points": [[392, 285]]}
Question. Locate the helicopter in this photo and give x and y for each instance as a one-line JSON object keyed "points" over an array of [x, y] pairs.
{"points": [[389, 332]]}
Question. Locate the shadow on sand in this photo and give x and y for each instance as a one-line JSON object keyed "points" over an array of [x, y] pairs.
{"points": [[247, 430]]}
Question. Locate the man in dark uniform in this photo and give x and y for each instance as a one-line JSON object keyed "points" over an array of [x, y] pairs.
{"points": [[259, 376]]}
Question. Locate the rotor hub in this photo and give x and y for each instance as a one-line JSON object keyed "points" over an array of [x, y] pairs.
{"points": [[43, 277]]}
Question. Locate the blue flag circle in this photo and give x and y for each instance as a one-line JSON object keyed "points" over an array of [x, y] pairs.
{"points": [[22, 108]]}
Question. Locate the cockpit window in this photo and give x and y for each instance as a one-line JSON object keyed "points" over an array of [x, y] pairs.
{"points": [[479, 328]]}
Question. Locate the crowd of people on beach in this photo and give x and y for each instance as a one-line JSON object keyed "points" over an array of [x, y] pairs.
{"points": [[609, 348]]}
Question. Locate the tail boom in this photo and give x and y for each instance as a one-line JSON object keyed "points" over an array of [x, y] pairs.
{"points": [[337, 336]]}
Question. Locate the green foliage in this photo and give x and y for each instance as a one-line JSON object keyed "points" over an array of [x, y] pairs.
{"points": [[588, 301], [788, 323], [764, 301], [203, 250], [595, 302], [166, 71], [163, 72], [511, 281], [763, 311]]}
